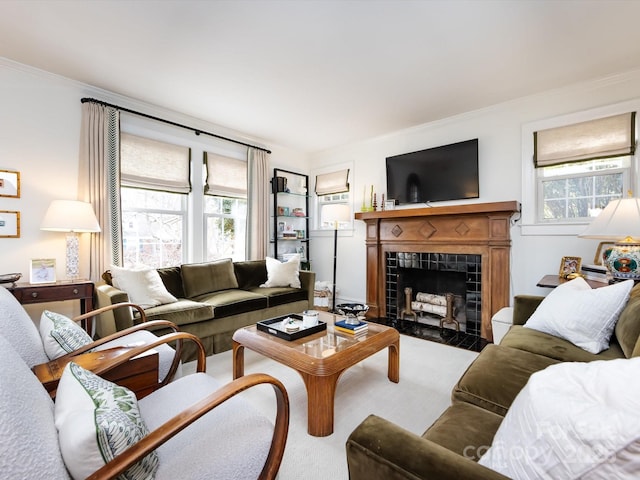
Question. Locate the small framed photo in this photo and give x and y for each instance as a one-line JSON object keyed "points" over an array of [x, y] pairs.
{"points": [[570, 265], [43, 270], [389, 204], [9, 224], [602, 248], [9, 183]]}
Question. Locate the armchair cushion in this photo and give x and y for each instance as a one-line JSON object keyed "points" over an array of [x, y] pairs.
{"points": [[96, 421], [29, 446], [20, 331], [584, 316], [144, 286], [572, 420], [232, 427], [61, 335], [283, 274]]}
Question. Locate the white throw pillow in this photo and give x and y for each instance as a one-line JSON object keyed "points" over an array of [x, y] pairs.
{"points": [[283, 274], [96, 421], [584, 316], [61, 335], [143, 285], [572, 420]]}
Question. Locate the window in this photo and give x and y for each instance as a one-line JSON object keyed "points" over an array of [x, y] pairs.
{"points": [[225, 207], [578, 191], [333, 189], [574, 166], [154, 188]]}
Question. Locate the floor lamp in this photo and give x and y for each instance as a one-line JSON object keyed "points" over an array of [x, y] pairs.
{"points": [[73, 217], [335, 214]]}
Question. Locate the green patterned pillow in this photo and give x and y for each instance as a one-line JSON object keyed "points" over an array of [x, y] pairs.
{"points": [[97, 420], [61, 335]]}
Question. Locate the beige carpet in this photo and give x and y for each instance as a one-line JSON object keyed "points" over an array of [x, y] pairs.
{"points": [[428, 371]]}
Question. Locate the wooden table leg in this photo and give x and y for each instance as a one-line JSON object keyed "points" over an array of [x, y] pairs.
{"points": [[394, 362], [321, 392], [238, 360]]}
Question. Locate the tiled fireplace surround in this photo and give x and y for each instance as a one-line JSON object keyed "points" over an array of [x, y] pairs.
{"points": [[463, 233]]}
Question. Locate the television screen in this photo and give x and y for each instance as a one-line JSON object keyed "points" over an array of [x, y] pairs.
{"points": [[449, 172]]}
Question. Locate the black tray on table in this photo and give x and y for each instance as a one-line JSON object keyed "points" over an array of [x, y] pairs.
{"points": [[274, 326]]}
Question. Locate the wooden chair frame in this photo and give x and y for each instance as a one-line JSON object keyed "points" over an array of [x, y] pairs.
{"points": [[181, 421], [144, 325]]}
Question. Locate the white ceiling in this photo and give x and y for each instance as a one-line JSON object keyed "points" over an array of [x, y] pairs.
{"points": [[314, 74]]}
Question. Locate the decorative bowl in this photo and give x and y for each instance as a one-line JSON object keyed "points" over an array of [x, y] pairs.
{"points": [[10, 277], [352, 309]]}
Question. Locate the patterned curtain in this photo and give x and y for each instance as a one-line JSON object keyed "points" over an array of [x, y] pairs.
{"points": [[99, 183], [257, 204]]}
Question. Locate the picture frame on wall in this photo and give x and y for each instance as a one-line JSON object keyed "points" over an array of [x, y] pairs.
{"points": [[42, 270], [9, 183], [9, 224], [570, 265]]}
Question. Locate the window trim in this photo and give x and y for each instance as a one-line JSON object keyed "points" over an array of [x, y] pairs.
{"points": [[530, 195]]}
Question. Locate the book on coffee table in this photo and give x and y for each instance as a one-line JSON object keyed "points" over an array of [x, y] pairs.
{"points": [[342, 325]]}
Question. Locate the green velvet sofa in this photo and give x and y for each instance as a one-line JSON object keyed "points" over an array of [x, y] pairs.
{"points": [[214, 300], [451, 446]]}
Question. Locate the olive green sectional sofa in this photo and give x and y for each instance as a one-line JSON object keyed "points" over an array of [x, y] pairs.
{"points": [[211, 300], [481, 399]]}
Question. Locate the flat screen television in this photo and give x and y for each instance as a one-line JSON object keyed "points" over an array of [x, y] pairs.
{"points": [[448, 172]]}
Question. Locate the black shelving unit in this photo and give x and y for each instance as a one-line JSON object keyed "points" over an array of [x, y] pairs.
{"points": [[290, 210]]}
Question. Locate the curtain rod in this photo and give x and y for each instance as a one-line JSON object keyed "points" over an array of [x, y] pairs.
{"points": [[197, 131]]}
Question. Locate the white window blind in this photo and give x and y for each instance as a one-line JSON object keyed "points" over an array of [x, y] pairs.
{"points": [[154, 165], [226, 177], [601, 138], [334, 182]]}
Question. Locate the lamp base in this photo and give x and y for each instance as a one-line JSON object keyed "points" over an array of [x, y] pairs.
{"points": [[623, 260], [73, 251]]}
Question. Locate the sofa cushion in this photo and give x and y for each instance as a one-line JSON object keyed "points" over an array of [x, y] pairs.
{"points": [[201, 278], [281, 295], [283, 274], [572, 420], [143, 285], [182, 312], [584, 316], [479, 426], [496, 376], [251, 273], [233, 302], [550, 346], [172, 279], [627, 329]]}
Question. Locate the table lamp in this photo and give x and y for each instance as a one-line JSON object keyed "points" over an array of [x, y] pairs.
{"points": [[73, 217], [335, 214], [619, 222]]}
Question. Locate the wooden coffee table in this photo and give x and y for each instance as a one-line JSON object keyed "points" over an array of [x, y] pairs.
{"points": [[320, 359]]}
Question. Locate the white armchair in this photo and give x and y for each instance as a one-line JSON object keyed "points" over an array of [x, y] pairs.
{"points": [[198, 428]]}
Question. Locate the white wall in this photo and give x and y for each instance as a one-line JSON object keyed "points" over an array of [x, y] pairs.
{"points": [[40, 136], [500, 158]]}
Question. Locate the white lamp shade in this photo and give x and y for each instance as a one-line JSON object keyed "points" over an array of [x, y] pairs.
{"points": [[336, 213], [70, 216], [619, 219]]}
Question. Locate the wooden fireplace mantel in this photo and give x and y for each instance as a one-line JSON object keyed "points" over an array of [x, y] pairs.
{"points": [[476, 229]]}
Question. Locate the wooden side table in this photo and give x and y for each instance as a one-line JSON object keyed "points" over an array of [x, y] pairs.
{"points": [[552, 281], [83, 290], [140, 374]]}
